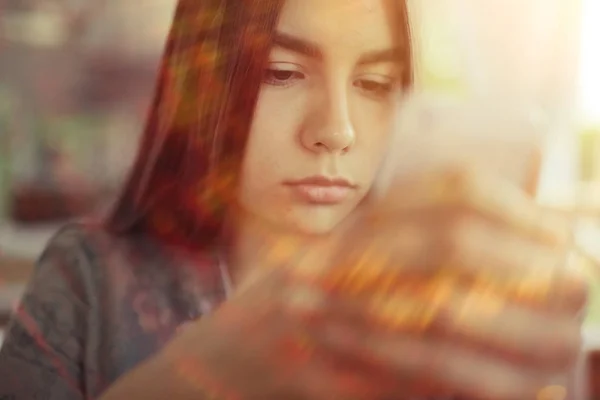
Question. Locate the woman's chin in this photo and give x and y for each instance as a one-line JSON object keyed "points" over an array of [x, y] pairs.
{"points": [[303, 221], [318, 223]]}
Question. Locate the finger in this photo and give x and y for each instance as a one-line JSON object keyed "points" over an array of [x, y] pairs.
{"points": [[526, 272], [304, 301], [339, 344], [272, 294], [447, 368], [318, 376], [482, 321], [478, 322], [445, 308], [326, 379], [308, 359], [486, 195], [546, 342], [371, 258], [421, 366], [484, 256]]}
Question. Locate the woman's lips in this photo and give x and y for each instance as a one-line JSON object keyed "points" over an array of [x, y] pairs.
{"points": [[321, 190]]}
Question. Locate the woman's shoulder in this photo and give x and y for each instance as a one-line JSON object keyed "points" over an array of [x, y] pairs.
{"points": [[86, 261], [98, 304], [89, 255], [119, 261], [64, 312], [94, 240], [92, 246], [135, 283], [123, 266]]}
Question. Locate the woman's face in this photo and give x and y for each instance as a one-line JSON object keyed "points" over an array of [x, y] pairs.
{"points": [[323, 116]]}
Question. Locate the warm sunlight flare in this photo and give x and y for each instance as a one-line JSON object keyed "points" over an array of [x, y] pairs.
{"points": [[589, 76]]}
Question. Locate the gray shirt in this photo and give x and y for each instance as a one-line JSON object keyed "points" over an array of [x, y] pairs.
{"points": [[96, 306]]}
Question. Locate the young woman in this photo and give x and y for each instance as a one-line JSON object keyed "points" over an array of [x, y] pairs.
{"points": [[256, 184]]}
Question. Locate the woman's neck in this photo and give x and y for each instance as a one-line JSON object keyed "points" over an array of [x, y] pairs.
{"points": [[251, 243]]}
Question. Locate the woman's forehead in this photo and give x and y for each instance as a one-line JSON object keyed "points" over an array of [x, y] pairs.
{"points": [[361, 23]]}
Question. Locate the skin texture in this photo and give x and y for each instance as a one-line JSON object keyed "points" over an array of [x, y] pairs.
{"points": [[312, 320], [455, 282], [323, 113]]}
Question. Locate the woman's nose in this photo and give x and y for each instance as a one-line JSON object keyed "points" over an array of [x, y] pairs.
{"points": [[331, 129]]}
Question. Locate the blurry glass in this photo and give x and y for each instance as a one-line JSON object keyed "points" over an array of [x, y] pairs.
{"points": [[501, 78]]}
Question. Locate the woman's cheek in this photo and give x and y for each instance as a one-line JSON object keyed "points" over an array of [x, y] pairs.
{"points": [[373, 124]]}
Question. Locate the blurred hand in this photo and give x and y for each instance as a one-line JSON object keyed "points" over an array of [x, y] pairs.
{"points": [[467, 283], [451, 283]]}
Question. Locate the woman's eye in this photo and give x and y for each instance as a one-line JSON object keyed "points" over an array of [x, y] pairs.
{"points": [[282, 77], [377, 88]]}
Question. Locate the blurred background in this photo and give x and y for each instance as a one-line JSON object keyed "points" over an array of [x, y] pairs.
{"points": [[76, 77]]}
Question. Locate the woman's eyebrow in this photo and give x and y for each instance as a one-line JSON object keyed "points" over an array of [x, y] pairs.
{"points": [[297, 45], [313, 50], [380, 56]]}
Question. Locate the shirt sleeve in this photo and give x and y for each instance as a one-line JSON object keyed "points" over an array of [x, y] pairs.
{"points": [[43, 353]]}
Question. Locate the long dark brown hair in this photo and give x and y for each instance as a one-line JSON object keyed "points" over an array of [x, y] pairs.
{"points": [[186, 169]]}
